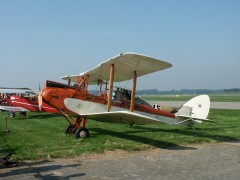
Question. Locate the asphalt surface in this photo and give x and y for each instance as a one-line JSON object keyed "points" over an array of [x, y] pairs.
{"points": [[218, 161], [214, 105]]}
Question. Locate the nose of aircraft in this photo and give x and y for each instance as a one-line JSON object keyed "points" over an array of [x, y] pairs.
{"points": [[46, 95]]}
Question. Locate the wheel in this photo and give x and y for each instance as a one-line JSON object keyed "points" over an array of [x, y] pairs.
{"points": [[69, 129], [82, 133], [11, 114]]}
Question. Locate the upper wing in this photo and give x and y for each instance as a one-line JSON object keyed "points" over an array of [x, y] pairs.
{"points": [[24, 91], [11, 108], [12, 91], [124, 64]]}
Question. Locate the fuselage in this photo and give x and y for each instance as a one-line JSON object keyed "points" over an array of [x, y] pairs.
{"points": [[30, 103], [54, 94]]}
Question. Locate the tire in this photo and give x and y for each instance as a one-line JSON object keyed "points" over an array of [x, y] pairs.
{"points": [[82, 133], [11, 114], [69, 129]]}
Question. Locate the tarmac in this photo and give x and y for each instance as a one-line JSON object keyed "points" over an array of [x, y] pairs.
{"points": [[218, 161], [214, 105]]}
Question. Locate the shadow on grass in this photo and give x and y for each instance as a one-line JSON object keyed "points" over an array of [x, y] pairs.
{"points": [[42, 116], [144, 140], [191, 132], [130, 135], [40, 170]]}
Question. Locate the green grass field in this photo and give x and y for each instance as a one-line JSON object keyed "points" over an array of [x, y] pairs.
{"points": [[213, 97], [41, 135]]}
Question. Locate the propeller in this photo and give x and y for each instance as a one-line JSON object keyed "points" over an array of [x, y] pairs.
{"points": [[40, 97]]}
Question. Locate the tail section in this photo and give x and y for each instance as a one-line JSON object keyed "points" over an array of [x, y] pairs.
{"points": [[194, 111]]}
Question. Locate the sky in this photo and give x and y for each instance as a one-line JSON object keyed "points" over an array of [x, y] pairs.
{"points": [[43, 40]]}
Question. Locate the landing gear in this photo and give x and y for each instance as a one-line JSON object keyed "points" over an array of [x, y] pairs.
{"points": [[82, 133], [70, 129], [80, 130], [11, 114]]}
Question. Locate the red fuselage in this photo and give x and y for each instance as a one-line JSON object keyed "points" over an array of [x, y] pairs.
{"points": [[54, 94], [30, 103]]}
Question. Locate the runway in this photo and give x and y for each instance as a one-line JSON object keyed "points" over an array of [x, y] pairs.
{"points": [[214, 105], [218, 161]]}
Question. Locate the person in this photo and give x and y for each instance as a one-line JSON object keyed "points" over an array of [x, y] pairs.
{"points": [[117, 95]]}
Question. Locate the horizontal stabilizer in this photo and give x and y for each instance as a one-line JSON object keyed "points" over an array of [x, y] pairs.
{"points": [[194, 111], [200, 119]]}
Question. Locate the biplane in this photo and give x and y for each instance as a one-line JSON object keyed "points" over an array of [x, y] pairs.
{"points": [[117, 104], [22, 100]]}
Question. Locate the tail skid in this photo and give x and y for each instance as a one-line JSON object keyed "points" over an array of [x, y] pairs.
{"points": [[194, 111]]}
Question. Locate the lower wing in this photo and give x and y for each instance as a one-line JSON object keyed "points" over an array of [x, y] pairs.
{"points": [[15, 109], [122, 116]]}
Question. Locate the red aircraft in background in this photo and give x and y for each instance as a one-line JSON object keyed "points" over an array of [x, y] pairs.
{"points": [[22, 100]]}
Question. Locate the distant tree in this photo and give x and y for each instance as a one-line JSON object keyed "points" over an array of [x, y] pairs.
{"points": [[234, 90]]}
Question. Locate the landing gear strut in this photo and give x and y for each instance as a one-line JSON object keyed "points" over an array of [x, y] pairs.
{"points": [[80, 130]]}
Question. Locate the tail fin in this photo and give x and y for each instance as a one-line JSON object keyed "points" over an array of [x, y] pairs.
{"points": [[194, 111]]}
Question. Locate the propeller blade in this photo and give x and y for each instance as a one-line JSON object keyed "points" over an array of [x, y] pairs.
{"points": [[40, 97], [40, 100]]}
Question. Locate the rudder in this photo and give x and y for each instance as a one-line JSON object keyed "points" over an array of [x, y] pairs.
{"points": [[194, 111]]}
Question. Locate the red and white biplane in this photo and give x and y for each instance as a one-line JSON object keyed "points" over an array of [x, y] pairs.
{"points": [[120, 104], [22, 100]]}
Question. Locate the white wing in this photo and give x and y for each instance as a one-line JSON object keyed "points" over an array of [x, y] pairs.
{"points": [[123, 116], [15, 109], [99, 112], [124, 65], [15, 91]]}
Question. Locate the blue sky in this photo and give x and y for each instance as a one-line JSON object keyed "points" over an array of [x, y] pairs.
{"points": [[42, 40]]}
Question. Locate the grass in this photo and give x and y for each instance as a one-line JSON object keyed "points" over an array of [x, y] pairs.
{"points": [[41, 135], [213, 97]]}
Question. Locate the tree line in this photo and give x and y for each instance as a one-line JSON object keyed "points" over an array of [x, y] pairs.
{"points": [[186, 91]]}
